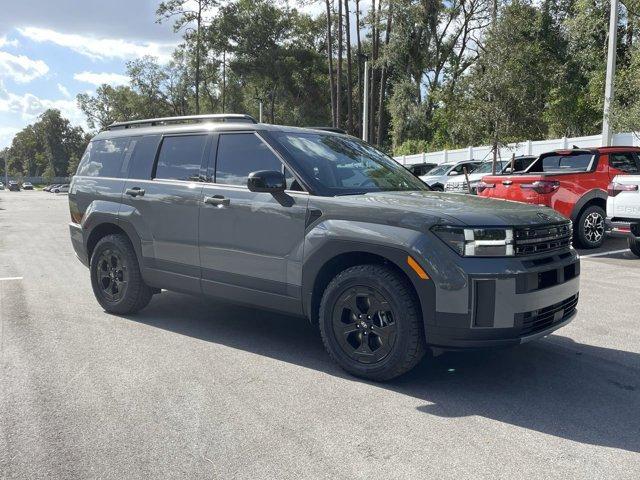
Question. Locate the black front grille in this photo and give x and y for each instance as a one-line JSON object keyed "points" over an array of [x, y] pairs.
{"points": [[533, 240], [538, 320]]}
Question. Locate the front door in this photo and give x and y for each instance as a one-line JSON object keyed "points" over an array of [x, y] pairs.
{"points": [[250, 243]]}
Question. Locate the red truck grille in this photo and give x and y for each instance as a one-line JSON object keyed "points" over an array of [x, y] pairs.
{"points": [[532, 240]]}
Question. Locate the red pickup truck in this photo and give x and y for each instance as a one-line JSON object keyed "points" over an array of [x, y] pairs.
{"points": [[572, 182]]}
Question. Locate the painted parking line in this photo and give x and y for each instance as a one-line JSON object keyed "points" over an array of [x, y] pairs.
{"points": [[604, 254], [7, 279]]}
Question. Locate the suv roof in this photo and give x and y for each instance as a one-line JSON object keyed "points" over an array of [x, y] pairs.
{"points": [[198, 123]]}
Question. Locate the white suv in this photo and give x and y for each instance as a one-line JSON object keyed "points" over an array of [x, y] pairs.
{"points": [[623, 209]]}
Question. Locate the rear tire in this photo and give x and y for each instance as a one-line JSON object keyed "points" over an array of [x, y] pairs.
{"points": [[590, 231], [115, 276], [370, 322], [634, 246]]}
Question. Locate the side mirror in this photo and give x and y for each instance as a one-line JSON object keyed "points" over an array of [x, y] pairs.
{"points": [[268, 181], [453, 173]]}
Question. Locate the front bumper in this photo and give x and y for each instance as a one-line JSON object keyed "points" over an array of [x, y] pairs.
{"points": [[515, 301], [622, 228]]}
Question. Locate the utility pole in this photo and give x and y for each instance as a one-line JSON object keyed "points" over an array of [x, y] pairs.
{"points": [[365, 103], [260, 114], [611, 74], [6, 172]]}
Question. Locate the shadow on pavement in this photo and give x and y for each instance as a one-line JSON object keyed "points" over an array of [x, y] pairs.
{"points": [[555, 386]]}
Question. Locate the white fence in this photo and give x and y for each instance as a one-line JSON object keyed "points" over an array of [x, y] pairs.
{"points": [[523, 148]]}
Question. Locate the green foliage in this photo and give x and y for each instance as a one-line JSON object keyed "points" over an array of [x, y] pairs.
{"points": [[46, 147], [454, 77], [411, 147]]}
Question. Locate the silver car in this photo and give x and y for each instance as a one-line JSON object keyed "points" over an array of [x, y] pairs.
{"points": [[437, 177]]}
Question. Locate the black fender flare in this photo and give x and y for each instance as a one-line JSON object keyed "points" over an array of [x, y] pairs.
{"points": [[98, 220], [312, 266], [586, 198]]}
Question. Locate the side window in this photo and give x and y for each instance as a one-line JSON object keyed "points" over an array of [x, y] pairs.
{"points": [[142, 157], [103, 158], [625, 162], [239, 154], [180, 157]]}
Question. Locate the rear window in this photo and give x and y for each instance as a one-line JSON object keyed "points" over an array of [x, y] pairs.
{"points": [[577, 162], [180, 157], [103, 158]]}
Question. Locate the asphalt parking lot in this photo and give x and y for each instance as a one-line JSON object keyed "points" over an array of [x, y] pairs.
{"points": [[199, 389]]}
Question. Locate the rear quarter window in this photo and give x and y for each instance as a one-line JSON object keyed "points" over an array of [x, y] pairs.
{"points": [[103, 158]]}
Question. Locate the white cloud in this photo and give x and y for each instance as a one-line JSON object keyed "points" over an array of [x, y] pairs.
{"points": [[29, 106], [8, 43], [6, 135], [100, 48], [100, 78], [21, 68], [63, 90]]}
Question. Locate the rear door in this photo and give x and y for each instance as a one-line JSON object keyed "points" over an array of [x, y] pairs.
{"points": [[250, 243], [161, 200]]}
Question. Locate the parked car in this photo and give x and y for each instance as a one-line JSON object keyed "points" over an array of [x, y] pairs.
{"points": [[420, 169], [14, 186], [1, 186], [49, 187], [319, 225], [623, 209], [64, 188], [458, 184], [573, 182], [27, 186], [439, 175]]}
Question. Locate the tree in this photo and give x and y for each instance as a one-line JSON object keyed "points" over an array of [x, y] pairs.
{"points": [[329, 48], [47, 147], [184, 17], [500, 100]]}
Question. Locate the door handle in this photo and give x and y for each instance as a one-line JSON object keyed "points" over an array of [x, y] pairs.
{"points": [[217, 200], [135, 192]]}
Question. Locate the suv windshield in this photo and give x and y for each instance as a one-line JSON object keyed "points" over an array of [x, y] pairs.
{"points": [[441, 170], [343, 165], [487, 167]]}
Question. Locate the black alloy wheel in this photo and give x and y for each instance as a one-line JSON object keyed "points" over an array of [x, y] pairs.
{"points": [[113, 276], [116, 278], [371, 323], [364, 325]]}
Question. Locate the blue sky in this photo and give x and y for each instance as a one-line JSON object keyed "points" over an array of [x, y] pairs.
{"points": [[51, 50]]}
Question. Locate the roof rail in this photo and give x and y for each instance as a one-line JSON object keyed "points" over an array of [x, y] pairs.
{"points": [[151, 122], [329, 129]]}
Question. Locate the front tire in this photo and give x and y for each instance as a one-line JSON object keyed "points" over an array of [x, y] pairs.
{"points": [[590, 229], [370, 322], [115, 276], [634, 246]]}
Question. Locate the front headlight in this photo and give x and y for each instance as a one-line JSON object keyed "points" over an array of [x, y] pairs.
{"points": [[477, 242]]}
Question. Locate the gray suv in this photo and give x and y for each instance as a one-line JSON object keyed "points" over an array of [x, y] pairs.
{"points": [[319, 225]]}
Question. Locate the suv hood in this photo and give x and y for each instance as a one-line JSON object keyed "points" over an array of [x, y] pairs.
{"points": [[466, 209]]}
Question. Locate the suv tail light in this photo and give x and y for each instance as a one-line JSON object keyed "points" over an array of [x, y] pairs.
{"points": [[615, 188], [542, 186], [482, 186]]}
